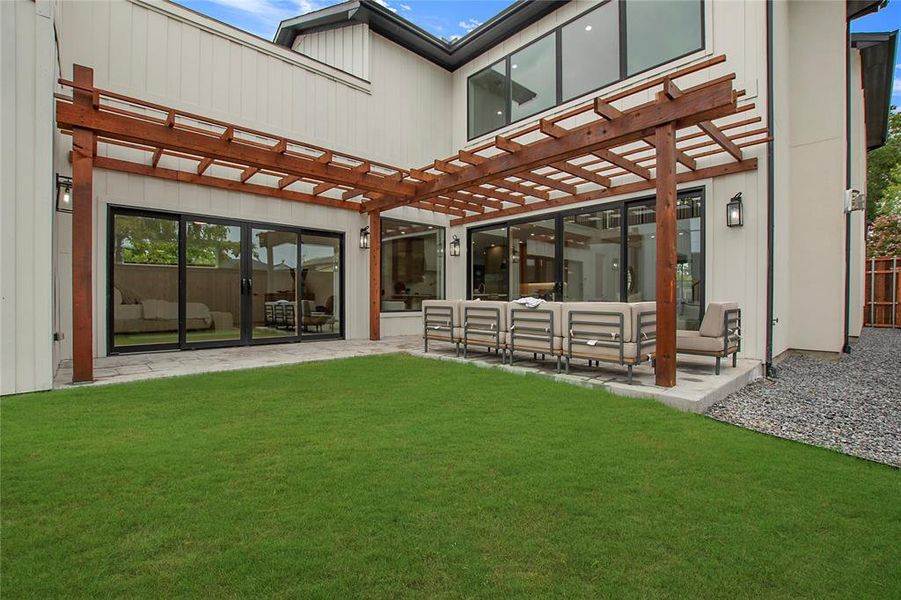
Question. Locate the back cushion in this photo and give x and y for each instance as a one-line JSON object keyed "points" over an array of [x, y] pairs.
{"points": [[643, 307], [712, 325], [443, 305], [604, 326], [554, 308], [484, 312]]}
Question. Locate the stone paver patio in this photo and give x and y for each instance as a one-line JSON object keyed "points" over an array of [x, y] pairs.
{"points": [[697, 387]]}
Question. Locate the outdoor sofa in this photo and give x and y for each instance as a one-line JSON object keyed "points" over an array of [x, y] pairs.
{"points": [[620, 333], [719, 335]]}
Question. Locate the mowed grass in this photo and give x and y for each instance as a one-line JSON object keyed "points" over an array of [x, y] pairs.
{"points": [[394, 476]]}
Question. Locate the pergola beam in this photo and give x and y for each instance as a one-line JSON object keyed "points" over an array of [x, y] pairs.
{"points": [[672, 91], [134, 130], [716, 100]]}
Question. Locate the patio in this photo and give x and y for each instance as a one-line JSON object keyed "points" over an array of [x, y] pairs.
{"points": [[697, 388]]}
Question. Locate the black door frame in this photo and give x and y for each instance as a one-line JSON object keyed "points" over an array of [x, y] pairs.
{"points": [[247, 227]]}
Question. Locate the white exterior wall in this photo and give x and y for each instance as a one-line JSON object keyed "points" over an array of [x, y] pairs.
{"points": [[346, 48], [858, 182], [205, 67], [735, 257], [817, 140], [27, 195]]}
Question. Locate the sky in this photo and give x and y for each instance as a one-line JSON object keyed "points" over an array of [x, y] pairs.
{"points": [[887, 19], [448, 19]]}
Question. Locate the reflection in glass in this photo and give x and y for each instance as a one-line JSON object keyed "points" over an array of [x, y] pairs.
{"points": [[274, 289], [488, 99], [145, 280], [533, 73], [489, 264], [660, 30], [320, 265], [412, 264], [532, 259], [642, 257], [591, 247], [213, 282], [595, 34]]}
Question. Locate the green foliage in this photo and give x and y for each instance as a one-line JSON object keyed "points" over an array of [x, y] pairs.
{"points": [[402, 477], [144, 240], [884, 172], [885, 237]]}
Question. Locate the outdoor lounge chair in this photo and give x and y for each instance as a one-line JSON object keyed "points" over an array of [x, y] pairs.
{"points": [[718, 336], [537, 330], [484, 325], [613, 332], [441, 323]]}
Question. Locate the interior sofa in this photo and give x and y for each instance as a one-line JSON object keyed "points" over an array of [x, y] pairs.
{"points": [[719, 335], [134, 315]]}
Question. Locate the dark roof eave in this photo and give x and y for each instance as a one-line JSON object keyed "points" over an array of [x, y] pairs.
{"points": [[447, 55], [877, 52]]}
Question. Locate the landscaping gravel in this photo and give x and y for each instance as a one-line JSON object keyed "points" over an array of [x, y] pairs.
{"points": [[852, 405]]}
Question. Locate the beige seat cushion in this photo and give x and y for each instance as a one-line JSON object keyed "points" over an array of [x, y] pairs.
{"points": [[552, 311], [611, 354], [693, 341], [530, 345], [483, 338], [712, 325], [600, 330], [638, 308]]}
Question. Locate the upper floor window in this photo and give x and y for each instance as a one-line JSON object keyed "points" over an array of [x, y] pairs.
{"points": [[612, 41]]}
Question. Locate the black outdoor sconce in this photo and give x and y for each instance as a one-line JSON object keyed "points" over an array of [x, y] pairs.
{"points": [[734, 211], [455, 246], [364, 238], [63, 193]]}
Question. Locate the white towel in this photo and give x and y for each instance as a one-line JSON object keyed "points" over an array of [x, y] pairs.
{"points": [[530, 302]]}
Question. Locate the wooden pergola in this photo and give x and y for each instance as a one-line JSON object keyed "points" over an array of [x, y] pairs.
{"points": [[592, 151]]}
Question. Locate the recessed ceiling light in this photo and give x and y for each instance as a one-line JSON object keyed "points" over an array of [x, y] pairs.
{"points": [[514, 66], [500, 112], [588, 28]]}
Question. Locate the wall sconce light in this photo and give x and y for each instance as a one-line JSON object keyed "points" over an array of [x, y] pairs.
{"points": [[455, 246], [364, 238], [734, 211], [63, 193]]}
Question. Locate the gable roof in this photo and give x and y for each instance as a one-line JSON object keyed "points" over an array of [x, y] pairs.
{"points": [[877, 54], [449, 55]]}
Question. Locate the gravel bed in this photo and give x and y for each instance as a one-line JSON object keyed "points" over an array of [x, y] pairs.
{"points": [[852, 405]]}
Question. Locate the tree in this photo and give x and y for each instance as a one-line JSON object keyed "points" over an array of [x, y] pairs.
{"points": [[144, 240], [885, 236], [884, 172]]}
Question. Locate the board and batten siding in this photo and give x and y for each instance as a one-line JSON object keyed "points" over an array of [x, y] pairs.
{"points": [[345, 48], [27, 195], [166, 54]]}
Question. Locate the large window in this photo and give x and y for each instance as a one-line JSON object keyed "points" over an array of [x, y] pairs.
{"points": [[612, 41], [659, 31], [412, 265], [180, 282], [604, 254]]}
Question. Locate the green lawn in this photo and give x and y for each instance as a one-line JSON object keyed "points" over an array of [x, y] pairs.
{"points": [[396, 476]]}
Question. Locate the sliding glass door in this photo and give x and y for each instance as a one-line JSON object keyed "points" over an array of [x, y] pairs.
{"points": [[178, 281], [604, 253]]}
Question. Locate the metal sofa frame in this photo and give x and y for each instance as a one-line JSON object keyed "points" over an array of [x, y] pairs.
{"points": [[584, 337], [536, 325], [439, 319], [731, 333], [484, 320]]}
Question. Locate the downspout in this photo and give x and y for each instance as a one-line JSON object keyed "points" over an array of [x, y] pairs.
{"points": [[846, 346], [771, 191]]}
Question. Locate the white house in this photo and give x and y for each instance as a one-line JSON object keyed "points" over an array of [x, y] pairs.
{"points": [[178, 250]]}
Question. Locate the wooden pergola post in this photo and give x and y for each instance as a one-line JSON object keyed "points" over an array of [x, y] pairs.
{"points": [[665, 142], [375, 275], [83, 144]]}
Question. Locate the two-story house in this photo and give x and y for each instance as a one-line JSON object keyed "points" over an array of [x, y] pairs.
{"points": [[255, 218]]}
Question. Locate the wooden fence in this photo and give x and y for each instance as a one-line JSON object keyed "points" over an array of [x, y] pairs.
{"points": [[883, 292]]}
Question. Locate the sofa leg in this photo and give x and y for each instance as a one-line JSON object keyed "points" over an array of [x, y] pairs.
{"points": [[567, 365], [734, 359], [464, 349], [457, 350], [717, 370], [425, 344], [630, 374], [558, 364]]}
